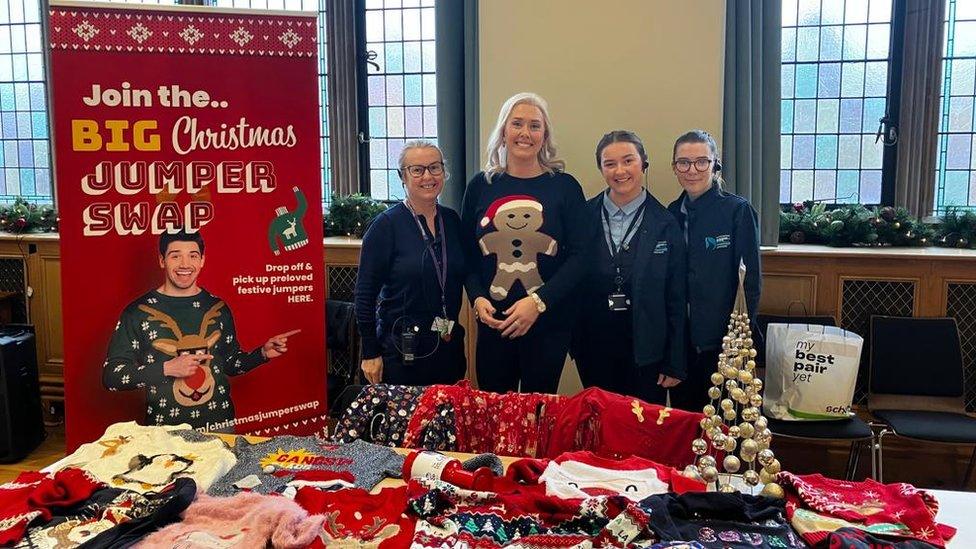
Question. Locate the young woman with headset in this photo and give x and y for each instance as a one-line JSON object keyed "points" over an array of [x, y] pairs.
{"points": [[721, 231], [630, 332], [408, 290]]}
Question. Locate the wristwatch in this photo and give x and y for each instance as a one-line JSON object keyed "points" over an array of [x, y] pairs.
{"points": [[539, 304]]}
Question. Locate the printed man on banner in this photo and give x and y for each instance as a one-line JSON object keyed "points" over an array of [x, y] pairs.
{"points": [[178, 343]]}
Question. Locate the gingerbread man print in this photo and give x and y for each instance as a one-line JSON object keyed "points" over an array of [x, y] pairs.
{"points": [[516, 243]]}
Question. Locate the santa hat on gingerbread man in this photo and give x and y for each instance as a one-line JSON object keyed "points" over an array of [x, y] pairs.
{"points": [[510, 202]]}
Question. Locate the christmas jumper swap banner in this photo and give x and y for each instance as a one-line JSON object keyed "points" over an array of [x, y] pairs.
{"points": [[188, 178]]}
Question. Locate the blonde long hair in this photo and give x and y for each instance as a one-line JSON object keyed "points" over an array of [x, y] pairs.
{"points": [[497, 160]]}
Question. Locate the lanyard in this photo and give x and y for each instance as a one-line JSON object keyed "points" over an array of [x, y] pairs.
{"points": [[440, 267], [615, 248]]}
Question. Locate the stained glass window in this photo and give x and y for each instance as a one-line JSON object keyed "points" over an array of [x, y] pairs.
{"points": [[25, 160], [834, 86], [303, 5], [401, 97], [956, 167], [401, 87], [25, 157]]}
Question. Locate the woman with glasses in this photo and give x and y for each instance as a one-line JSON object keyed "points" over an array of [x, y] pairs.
{"points": [[630, 336], [524, 228], [408, 290], [721, 230]]}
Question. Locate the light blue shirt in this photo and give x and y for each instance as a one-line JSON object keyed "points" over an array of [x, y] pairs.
{"points": [[620, 218]]}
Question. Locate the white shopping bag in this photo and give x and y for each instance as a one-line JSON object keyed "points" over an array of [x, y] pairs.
{"points": [[810, 371]]}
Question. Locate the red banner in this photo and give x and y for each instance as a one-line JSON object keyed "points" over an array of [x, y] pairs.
{"points": [[188, 185]]}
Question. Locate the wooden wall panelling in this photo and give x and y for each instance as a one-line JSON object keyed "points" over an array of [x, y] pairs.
{"points": [[789, 293], [40, 255], [470, 323], [819, 275], [44, 268]]}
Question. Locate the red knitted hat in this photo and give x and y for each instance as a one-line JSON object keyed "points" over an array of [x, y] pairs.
{"points": [[508, 203]]}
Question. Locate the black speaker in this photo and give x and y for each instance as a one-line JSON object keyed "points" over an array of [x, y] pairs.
{"points": [[21, 418]]}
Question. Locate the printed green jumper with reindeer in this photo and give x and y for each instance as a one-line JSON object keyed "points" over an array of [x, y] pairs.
{"points": [[156, 328]]}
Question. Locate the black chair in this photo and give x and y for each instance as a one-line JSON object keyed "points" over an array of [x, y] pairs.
{"points": [[345, 397], [916, 383], [342, 340], [853, 430]]}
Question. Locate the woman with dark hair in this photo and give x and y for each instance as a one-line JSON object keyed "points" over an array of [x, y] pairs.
{"points": [[629, 337], [522, 218], [721, 230]]}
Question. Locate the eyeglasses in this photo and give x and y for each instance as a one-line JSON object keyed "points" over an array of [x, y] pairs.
{"points": [[683, 165], [417, 170]]}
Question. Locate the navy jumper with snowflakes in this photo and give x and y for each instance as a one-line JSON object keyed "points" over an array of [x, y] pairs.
{"points": [[155, 328]]}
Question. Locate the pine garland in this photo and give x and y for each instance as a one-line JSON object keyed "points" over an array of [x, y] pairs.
{"points": [[351, 215], [957, 230], [24, 217], [853, 225]]}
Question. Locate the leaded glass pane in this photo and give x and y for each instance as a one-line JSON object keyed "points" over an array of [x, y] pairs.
{"points": [[956, 169], [834, 88]]}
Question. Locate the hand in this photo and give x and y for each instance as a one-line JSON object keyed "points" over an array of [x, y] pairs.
{"points": [[667, 381], [484, 311], [520, 317], [277, 345], [184, 365], [373, 369]]}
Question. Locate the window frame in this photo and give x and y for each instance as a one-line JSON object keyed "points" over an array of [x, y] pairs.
{"points": [[942, 137], [889, 121], [361, 136]]}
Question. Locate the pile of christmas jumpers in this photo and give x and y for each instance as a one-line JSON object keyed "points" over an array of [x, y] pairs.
{"points": [[611, 479], [459, 418]]}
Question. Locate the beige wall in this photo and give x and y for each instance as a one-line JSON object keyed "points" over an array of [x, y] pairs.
{"points": [[651, 66]]}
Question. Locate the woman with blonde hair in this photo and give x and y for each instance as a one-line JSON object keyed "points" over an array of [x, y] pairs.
{"points": [[523, 223]]}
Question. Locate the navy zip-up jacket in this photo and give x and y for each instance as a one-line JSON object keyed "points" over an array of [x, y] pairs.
{"points": [[722, 229], [397, 280], [657, 283]]}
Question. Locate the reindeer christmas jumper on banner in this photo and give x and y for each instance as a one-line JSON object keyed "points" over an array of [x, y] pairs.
{"points": [[155, 328], [163, 129]]}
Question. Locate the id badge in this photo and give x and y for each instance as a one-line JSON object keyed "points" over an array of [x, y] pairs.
{"points": [[618, 302], [443, 327]]}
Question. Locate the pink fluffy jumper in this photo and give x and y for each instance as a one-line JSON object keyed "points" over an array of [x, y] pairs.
{"points": [[245, 520]]}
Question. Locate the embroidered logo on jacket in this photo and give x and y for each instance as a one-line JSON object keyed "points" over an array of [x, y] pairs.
{"points": [[661, 247], [718, 242]]}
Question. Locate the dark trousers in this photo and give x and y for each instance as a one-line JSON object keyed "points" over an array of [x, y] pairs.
{"points": [[535, 359], [620, 375], [692, 393], [603, 348], [446, 365]]}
